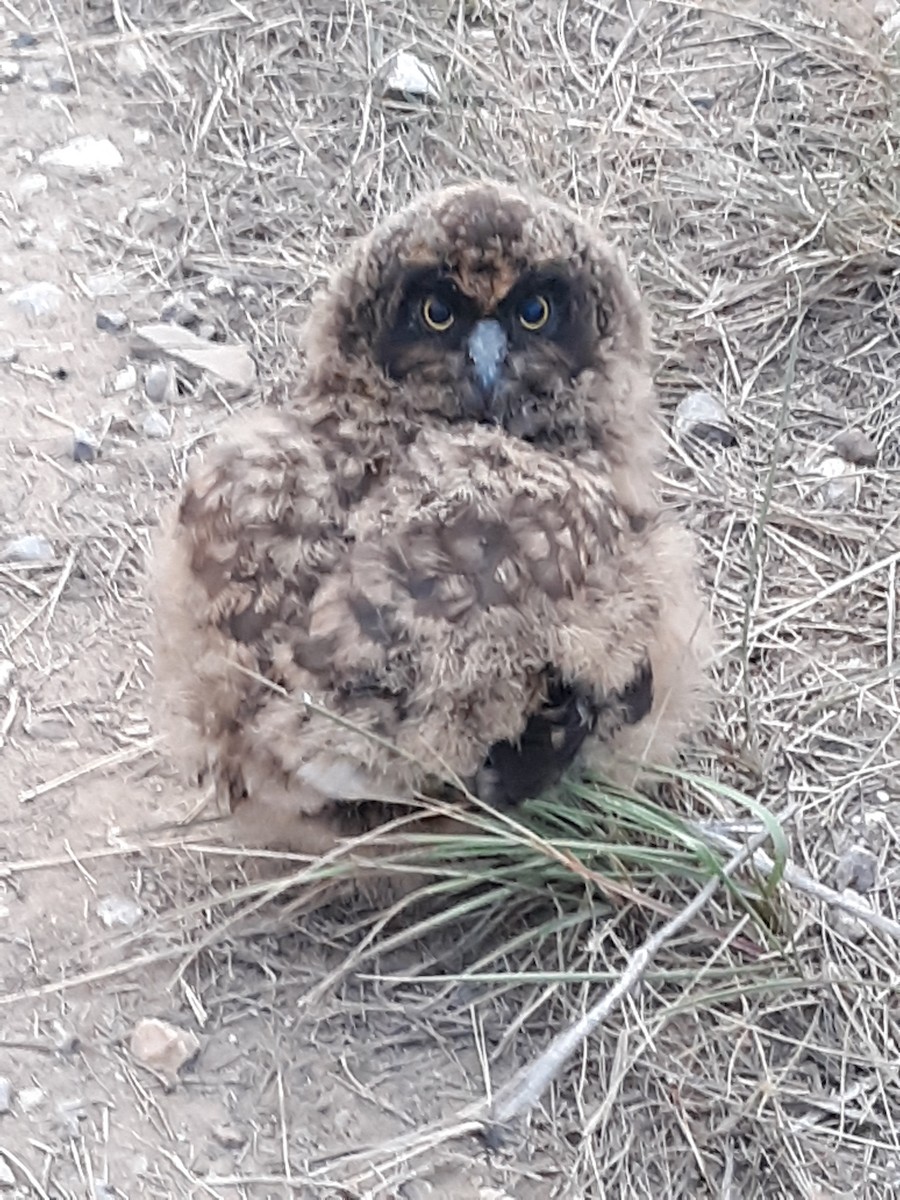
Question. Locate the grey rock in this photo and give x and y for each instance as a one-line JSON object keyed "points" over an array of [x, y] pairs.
{"points": [[7, 674], [857, 868], [159, 383], [48, 729], [856, 447], [7, 1178], [180, 312], [10, 70], [37, 300], [31, 548], [111, 320], [155, 425], [119, 911], [60, 84], [84, 157], [8, 354], [700, 417], [24, 41], [229, 1137], [84, 448], [6, 1094]]}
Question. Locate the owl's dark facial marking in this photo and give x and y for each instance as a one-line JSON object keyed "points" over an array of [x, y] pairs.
{"points": [[487, 357]]}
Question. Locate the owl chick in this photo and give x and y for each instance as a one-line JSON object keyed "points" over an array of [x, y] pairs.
{"points": [[450, 540]]}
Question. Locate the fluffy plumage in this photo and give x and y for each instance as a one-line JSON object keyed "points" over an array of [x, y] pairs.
{"points": [[451, 539]]}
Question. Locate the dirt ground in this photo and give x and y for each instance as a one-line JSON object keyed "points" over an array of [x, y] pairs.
{"points": [[110, 913]]}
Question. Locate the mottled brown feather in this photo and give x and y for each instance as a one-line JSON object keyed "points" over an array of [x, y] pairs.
{"points": [[418, 573]]}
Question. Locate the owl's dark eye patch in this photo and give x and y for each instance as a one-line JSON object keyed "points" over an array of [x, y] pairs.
{"points": [[430, 317]]}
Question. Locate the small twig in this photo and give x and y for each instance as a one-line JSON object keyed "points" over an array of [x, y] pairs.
{"points": [[31, 1179], [98, 764], [525, 1089]]}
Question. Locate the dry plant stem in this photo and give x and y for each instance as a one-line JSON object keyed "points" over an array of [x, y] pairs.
{"points": [[525, 1089], [850, 903]]}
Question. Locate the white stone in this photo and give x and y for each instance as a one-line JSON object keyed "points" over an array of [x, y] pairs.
{"points": [[84, 157], [125, 379], [410, 76], [40, 299], [32, 184], [32, 548], [155, 425], [119, 911], [702, 417]]}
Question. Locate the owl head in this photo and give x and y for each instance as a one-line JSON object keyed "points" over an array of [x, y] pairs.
{"points": [[480, 304]]}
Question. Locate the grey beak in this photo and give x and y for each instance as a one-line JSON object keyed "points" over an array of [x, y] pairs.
{"points": [[487, 352]]}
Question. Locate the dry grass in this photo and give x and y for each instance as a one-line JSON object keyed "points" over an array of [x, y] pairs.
{"points": [[749, 164]]}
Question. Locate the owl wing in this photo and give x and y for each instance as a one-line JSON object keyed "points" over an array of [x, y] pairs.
{"points": [[259, 529]]}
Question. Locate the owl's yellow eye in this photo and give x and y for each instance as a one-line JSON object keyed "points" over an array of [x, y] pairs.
{"points": [[534, 313], [437, 315]]}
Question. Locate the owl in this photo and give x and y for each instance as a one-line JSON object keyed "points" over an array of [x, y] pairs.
{"points": [[444, 562]]}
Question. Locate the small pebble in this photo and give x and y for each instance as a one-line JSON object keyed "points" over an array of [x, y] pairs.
{"points": [[179, 312], [229, 1137], [853, 928], [857, 868], [41, 299], [8, 354], [856, 447], [30, 1098], [32, 184], [132, 62], [24, 41], [159, 383], [207, 331], [700, 417], [839, 483], [111, 321], [25, 234], [84, 157], [409, 76], [61, 85], [142, 137], [6, 1094], [155, 425], [10, 70], [28, 549], [7, 673], [48, 729], [125, 379], [69, 1115], [7, 1179], [84, 448], [106, 283], [119, 911], [163, 1048], [217, 285]]}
